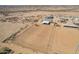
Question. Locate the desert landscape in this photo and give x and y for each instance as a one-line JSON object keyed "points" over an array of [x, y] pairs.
{"points": [[39, 29]]}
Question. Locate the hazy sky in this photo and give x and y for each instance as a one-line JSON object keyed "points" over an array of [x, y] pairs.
{"points": [[38, 2]]}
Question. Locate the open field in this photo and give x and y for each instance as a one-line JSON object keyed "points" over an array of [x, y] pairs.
{"points": [[7, 29], [49, 39], [26, 33]]}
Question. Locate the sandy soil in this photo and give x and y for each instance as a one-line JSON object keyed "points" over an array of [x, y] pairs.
{"points": [[35, 35], [7, 29], [48, 38]]}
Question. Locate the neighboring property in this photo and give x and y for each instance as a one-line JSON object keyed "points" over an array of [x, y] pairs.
{"points": [[76, 21], [64, 20], [47, 20], [71, 25]]}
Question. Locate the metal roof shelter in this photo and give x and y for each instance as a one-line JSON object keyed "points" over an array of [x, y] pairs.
{"points": [[70, 24], [47, 20]]}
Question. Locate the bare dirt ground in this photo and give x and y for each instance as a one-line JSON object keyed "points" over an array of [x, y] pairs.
{"points": [[47, 38], [16, 48], [35, 35], [7, 29], [50, 39]]}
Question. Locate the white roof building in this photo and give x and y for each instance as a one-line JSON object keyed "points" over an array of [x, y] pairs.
{"points": [[47, 20]]}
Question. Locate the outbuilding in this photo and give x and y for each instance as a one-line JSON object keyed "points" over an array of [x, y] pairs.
{"points": [[76, 21], [47, 20]]}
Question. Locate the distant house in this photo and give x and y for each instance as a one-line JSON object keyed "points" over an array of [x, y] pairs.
{"points": [[76, 21], [47, 20]]}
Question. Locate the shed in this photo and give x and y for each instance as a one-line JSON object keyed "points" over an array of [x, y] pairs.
{"points": [[47, 20]]}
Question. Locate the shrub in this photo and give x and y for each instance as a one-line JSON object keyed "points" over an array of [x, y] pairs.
{"points": [[5, 50]]}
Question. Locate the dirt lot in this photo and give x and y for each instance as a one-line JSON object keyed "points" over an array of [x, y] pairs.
{"points": [[35, 35], [7, 29], [47, 38]]}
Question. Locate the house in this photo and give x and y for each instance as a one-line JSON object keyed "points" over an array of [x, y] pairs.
{"points": [[76, 21], [47, 20]]}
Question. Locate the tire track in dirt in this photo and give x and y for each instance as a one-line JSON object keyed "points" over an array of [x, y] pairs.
{"points": [[35, 38]]}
